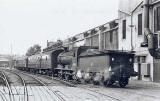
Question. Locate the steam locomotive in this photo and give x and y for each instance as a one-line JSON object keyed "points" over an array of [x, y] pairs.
{"points": [[83, 64]]}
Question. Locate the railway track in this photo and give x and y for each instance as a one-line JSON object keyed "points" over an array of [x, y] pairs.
{"points": [[46, 87], [56, 94], [86, 87], [71, 84], [42, 86], [67, 83], [4, 98], [26, 96], [74, 85], [114, 98], [121, 90], [11, 95]]}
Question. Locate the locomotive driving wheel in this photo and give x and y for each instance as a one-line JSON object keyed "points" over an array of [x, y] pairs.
{"points": [[123, 82], [59, 75], [107, 83], [67, 77]]}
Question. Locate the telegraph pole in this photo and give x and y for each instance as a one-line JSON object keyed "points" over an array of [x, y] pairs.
{"points": [[11, 58]]}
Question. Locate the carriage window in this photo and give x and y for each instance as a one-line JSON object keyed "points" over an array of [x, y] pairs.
{"points": [[157, 19], [124, 29]]}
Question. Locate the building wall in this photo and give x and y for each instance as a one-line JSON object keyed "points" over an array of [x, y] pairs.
{"points": [[128, 5], [4, 63], [111, 44], [104, 36], [133, 41]]}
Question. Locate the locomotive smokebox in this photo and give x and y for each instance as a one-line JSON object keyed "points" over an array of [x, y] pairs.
{"points": [[65, 59]]}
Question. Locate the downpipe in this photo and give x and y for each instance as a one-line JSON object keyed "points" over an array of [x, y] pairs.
{"points": [[132, 32], [149, 38]]}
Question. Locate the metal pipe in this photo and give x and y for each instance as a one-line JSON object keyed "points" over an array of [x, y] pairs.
{"points": [[146, 13], [149, 36], [132, 31]]}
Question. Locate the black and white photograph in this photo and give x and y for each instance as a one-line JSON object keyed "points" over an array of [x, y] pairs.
{"points": [[79, 50]]}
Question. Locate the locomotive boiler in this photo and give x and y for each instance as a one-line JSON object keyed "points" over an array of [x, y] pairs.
{"points": [[84, 64]]}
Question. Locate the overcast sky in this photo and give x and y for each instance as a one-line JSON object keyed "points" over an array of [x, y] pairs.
{"points": [[24, 23]]}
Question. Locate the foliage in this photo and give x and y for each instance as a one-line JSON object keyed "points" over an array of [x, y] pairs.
{"points": [[33, 50]]}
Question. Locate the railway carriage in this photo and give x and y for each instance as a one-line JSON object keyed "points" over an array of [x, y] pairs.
{"points": [[20, 63]]}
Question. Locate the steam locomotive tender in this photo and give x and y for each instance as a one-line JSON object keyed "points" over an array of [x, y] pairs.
{"points": [[85, 64]]}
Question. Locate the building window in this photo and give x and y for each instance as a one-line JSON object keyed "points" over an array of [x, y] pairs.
{"points": [[143, 59], [159, 41], [140, 24], [140, 59], [157, 19], [111, 36], [124, 29]]}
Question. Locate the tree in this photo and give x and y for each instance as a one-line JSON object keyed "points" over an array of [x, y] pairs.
{"points": [[37, 48], [33, 50]]}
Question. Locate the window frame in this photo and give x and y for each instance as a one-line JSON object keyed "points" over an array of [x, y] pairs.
{"points": [[124, 29], [156, 19], [140, 29], [111, 36]]}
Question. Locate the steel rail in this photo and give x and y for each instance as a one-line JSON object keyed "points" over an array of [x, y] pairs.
{"points": [[101, 94], [73, 85], [26, 97], [23, 81], [43, 84], [53, 78], [59, 80], [11, 95], [4, 98]]}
